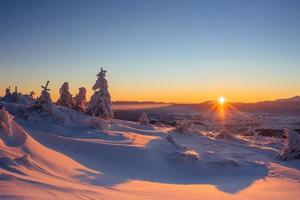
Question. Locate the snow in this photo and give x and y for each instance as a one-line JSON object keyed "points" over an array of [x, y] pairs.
{"points": [[24, 160], [93, 158], [224, 134]]}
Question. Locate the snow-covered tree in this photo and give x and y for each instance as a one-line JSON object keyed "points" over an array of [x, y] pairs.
{"points": [[144, 119], [65, 98], [32, 94], [291, 149], [7, 92], [80, 100], [100, 104], [16, 96], [44, 102], [44, 107]]}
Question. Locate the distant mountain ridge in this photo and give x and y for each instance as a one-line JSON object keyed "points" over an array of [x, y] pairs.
{"points": [[139, 102], [292, 99], [289, 106]]}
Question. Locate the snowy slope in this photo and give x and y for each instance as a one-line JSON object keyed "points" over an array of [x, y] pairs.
{"points": [[46, 160]]}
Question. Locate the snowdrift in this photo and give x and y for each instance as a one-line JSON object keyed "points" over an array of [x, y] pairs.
{"points": [[25, 161]]}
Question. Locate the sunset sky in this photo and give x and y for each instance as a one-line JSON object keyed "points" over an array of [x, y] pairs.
{"points": [[172, 51]]}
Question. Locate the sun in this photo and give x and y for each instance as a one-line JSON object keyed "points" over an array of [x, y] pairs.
{"points": [[221, 100]]}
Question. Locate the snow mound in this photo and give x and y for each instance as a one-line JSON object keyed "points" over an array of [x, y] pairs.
{"points": [[100, 124], [57, 115], [224, 134], [51, 113], [184, 126], [250, 132], [18, 98]]}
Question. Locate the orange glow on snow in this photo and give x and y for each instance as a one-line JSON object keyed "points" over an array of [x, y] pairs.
{"points": [[221, 111]]}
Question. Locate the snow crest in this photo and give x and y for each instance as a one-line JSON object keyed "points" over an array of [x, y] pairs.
{"points": [[10, 132]]}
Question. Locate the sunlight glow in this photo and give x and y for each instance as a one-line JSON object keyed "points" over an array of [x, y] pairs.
{"points": [[221, 100]]}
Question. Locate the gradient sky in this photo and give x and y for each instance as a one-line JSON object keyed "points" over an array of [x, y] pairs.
{"points": [[173, 51]]}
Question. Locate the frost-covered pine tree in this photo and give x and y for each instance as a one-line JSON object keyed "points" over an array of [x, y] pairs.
{"points": [[291, 149], [80, 100], [144, 119], [16, 95], [100, 104], [7, 92], [65, 99], [44, 102]]}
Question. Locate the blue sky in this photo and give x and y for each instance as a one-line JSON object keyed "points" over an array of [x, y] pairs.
{"points": [[179, 51]]}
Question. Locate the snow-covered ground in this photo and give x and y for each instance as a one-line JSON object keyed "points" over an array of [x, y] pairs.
{"points": [[81, 157]]}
